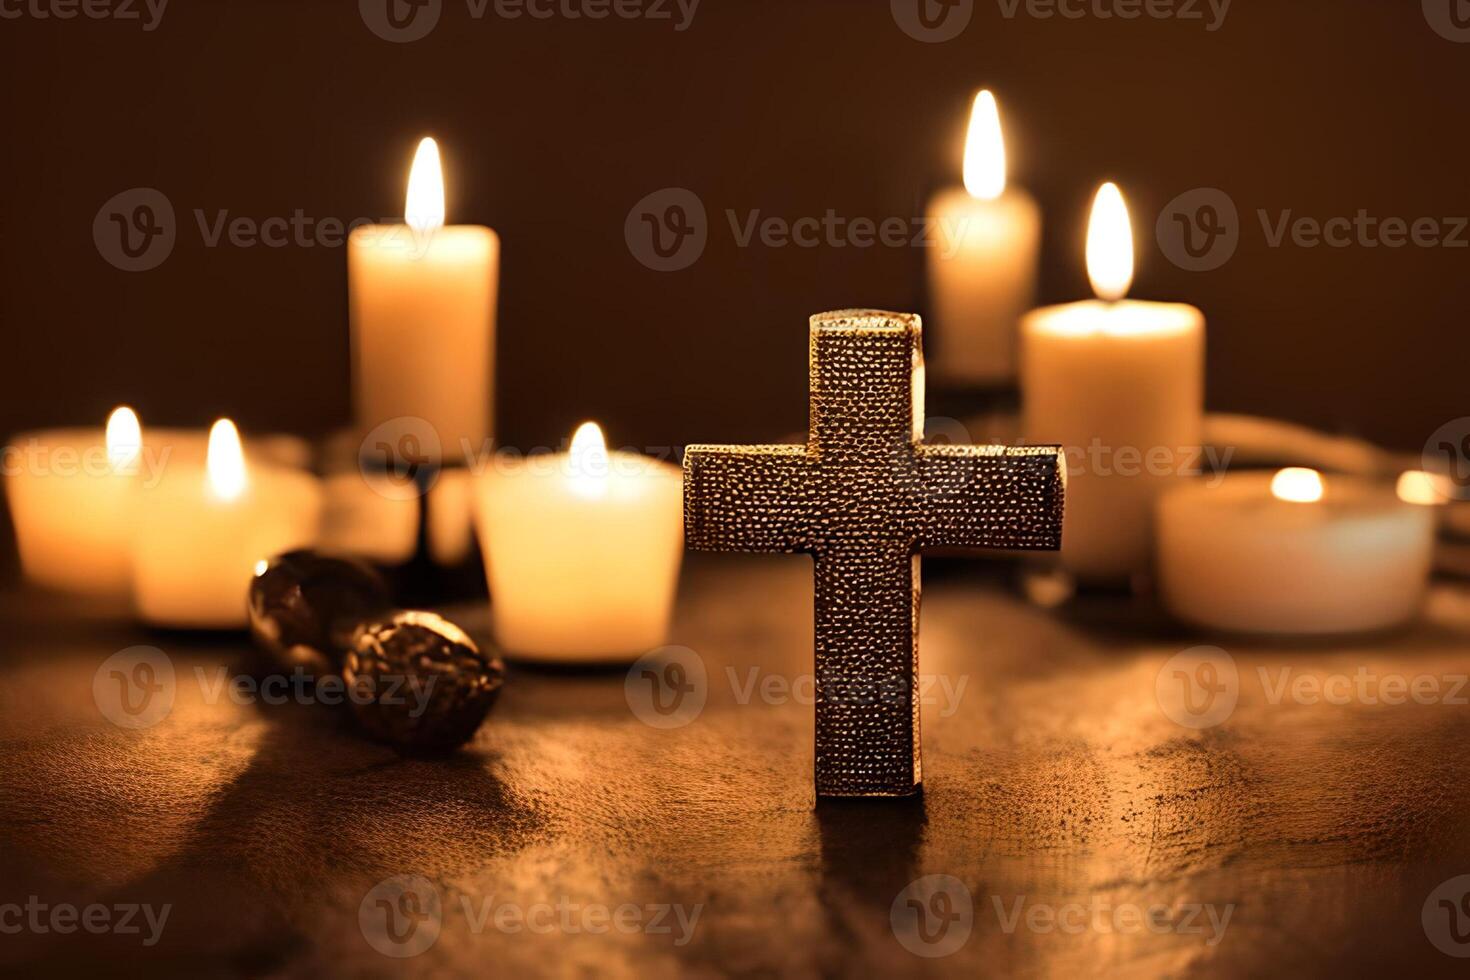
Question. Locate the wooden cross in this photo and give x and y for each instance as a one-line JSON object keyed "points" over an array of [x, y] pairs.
{"points": [[864, 496]]}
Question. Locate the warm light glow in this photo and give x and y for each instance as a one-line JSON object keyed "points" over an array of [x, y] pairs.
{"points": [[225, 462], [1298, 485], [124, 438], [1419, 487], [261, 567], [424, 210], [587, 460], [1110, 244], [985, 150]]}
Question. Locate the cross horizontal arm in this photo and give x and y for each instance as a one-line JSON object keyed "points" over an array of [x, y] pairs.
{"points": [[747, 498], [1007, 497]]}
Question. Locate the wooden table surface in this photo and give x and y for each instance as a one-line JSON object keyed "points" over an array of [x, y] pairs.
{"points": [[1059, 799]]}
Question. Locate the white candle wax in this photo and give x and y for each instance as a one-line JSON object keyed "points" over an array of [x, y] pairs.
{"points": [[1235, 557], [71, 495], [582, 551], [422, 303], [982, 264], [203, 528], [1120, 385]]}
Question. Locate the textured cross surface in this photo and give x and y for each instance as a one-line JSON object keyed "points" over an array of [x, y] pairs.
{"points": [[864, 496]]}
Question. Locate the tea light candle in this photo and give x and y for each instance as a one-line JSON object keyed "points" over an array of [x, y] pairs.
{"points": [[202, 530], [1293, 554], [582, 551], [71, 496], [1120, 384], [982, 266], [422, 304]]}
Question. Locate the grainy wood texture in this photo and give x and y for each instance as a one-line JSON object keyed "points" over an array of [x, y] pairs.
{"points": [[864, 497], [1054, 778]]}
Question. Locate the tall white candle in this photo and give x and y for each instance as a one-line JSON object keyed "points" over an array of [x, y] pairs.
{"points": [[1120, 384], [203, 529], [1291, 553], [582, 551], [422, 302], [982, 268], [71, 494]]}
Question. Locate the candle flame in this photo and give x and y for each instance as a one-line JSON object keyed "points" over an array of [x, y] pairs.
{"points": [[424, 209], [1298, 485], [587, 460], [1110, 244], [1421, 487], [985, 150], [224, 463], [124, 438]]}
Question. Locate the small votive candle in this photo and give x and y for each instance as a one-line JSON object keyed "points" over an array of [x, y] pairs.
{"points": [[582, 551], [1293, 554]]}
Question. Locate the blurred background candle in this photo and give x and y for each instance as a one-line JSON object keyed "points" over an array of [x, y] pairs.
{"points": [[1120, 384], [71, 497], [982, 267], [422, 302], [1292, 553], [202, 529], [582, 551]]}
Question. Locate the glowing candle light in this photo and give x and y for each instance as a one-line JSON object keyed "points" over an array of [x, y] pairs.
{"points": [[982, 263], [1293, 553], [582, 550], [1120, 384]]}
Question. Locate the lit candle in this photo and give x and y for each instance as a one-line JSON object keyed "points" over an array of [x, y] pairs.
{"points": [[422, 302], [202, 530], [71, 494], [1291, 553], [1120, 384], [582, 551], [982, 268]]}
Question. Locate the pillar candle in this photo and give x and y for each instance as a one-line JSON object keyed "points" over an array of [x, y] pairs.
{"points": [[71, 498], [422, 303], [1120, 384], [982, 265], [582, 551], [202, 530], [1291, 553]]}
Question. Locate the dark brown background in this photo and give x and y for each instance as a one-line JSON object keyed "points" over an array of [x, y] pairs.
{"points": [[553, 129]]}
